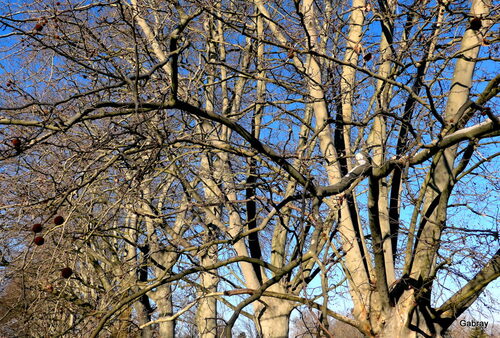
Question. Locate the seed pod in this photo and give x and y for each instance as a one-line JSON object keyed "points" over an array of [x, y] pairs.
{"points": [[66, 272], [39, 26], [58, 220], [36, 228], [475, 24], [16, 143], [39, 240]]}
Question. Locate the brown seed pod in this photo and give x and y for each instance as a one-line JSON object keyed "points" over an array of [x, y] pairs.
{"points": [[58, 220], [475, 24], [39, 240], [36, 228], [16, 143], [66, 272], [39, 26]]}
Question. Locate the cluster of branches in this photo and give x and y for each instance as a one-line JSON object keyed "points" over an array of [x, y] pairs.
{"points": [[215, 160]]}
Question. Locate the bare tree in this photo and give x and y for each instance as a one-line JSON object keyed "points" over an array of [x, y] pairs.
{"points": [[191, 162]]}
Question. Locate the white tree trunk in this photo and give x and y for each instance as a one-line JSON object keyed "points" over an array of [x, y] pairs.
{"points": [[163, 300], [399, 331], [206, 320], [206, 315], [405, 322], [274, 318]]}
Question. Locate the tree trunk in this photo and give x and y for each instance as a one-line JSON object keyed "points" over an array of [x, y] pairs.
{"points": [[163, 300], [207, 309], [409, 318], [417, 323], [143, 316], [274, 318], [405, 332], [206, 315]]}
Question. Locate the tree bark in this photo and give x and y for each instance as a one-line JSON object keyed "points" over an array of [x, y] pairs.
{"points": [[440, 178], [274, 318], [143, 316], [163, 300], [409, 320], [207, 309], [206, 315]]}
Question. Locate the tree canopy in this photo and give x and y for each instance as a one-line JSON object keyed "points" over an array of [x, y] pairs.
{"points": [[170, 168]]}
